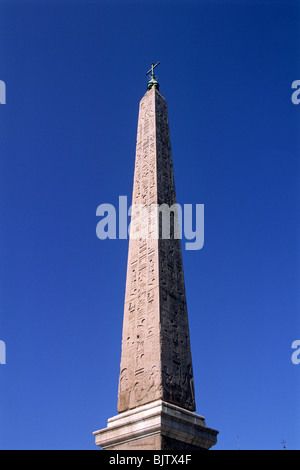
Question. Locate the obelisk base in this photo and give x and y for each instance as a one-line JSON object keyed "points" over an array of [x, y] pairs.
{"points": [[156, 426]]}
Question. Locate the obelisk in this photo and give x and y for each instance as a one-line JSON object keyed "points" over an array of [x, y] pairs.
{"points": [[156, 399]]}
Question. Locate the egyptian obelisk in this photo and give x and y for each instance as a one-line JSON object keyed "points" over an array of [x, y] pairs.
{"points": [[156, 399]]}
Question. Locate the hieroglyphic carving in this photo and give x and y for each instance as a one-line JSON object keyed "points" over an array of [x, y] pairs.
{"points": [[156, 358]]}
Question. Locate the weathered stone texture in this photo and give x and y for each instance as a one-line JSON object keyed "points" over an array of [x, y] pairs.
{"points": [[156, 426], [156, 358]]}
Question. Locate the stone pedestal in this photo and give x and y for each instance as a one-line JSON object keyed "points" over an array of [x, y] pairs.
{"points": [[156, 426]]}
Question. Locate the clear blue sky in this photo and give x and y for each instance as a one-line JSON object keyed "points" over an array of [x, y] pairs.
{"points": [[75, 72]]}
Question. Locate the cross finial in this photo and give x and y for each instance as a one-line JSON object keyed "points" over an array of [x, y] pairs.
{"points": [[152, 80], [152, 69]]}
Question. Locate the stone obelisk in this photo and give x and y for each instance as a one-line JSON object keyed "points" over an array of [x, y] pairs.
{"points": [[156, 399]]}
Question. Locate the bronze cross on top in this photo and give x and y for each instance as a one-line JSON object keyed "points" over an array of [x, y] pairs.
{"points": [[152, 69]]}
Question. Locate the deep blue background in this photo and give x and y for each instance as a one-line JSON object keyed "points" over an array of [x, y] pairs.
{"points": [[75, 72]]}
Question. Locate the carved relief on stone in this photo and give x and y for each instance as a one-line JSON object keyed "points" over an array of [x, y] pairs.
{"points": [[124, 380], [128, 337], [156, 360], [151, 270], [141, 305], [153, 379], [133, 285], [188, 386], [139, 390], [143, 274], [139, 361]]}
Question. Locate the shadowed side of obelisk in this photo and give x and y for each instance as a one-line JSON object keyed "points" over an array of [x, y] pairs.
{"points": [[176, 359]]}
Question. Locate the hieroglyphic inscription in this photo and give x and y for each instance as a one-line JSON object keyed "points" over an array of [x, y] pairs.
{"points": [[156, 357]]}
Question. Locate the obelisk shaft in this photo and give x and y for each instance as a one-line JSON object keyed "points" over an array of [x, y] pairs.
{"points": [[156, 356]]}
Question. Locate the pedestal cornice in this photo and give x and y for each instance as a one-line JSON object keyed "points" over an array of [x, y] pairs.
{"points": [[156, 423]]}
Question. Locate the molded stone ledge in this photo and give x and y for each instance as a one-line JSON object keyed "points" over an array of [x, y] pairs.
{"points": [[149, 425]]}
